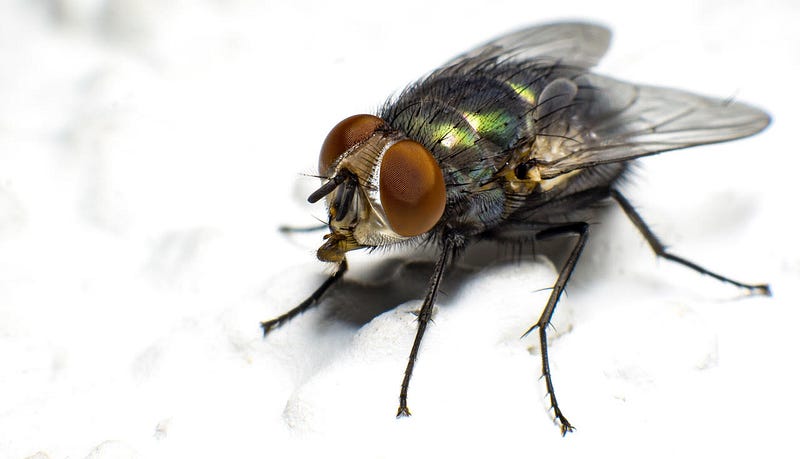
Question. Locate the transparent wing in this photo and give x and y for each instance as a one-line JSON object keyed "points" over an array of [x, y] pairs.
{"points": [[569, 43], [618, 121]]}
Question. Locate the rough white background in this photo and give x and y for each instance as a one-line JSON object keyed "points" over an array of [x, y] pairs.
{"points": [[149, 149]]}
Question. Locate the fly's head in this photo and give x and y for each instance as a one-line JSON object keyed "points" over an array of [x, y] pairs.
{"points": [[380, 187]]}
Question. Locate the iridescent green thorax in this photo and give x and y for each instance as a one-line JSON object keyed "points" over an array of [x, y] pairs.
{"points": [[498, 126], [524, 92], [454, 136], [471, 125]]}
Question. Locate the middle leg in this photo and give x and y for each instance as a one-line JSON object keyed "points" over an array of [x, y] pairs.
{"points": [[580, 229]]}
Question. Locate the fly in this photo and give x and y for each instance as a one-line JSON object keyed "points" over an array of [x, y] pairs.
{"points": [[514, 141]]}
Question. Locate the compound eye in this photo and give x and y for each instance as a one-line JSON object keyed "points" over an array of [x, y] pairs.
{"points": [[412, 188], [343, 136]]}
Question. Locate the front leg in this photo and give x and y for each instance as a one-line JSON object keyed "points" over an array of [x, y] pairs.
{"points": [[269, 325], [424, 316]]}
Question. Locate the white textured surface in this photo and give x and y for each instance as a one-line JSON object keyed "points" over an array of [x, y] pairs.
{"points": [[150, 149]]}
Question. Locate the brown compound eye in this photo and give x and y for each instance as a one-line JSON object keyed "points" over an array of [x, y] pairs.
{"points": [[344, 135], [412, 188]]}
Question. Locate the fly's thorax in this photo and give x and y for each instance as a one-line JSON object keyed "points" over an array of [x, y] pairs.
{"points": [[524, 174], [549, 150], [381, 190]]}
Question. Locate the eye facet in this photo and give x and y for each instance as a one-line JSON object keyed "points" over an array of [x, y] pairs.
{"points": [[411, 188], [344, 135]]}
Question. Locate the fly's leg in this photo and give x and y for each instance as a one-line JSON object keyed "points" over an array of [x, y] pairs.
{"points": [[661, 251], [312, 300], [423, 318], [581, 230], [302, 229]]}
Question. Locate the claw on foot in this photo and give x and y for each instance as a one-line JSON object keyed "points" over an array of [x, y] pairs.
{"points": [[403, 412], [763, 290], [566, 427], [268, 326]]}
